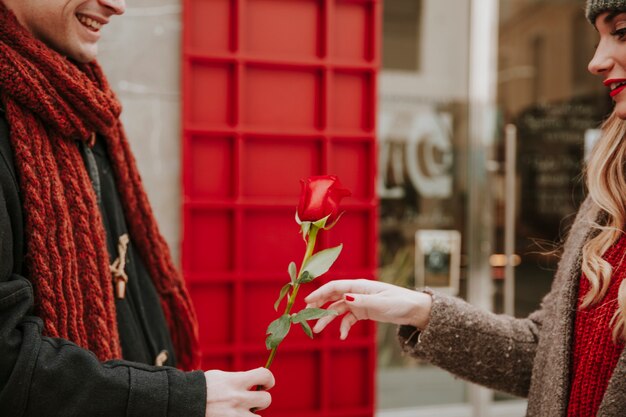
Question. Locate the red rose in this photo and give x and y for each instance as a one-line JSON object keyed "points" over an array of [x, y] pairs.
{"points": [[320, 197]]}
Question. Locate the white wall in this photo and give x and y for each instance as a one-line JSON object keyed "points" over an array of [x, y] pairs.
{"points": [[140, 53], [444, 58]]}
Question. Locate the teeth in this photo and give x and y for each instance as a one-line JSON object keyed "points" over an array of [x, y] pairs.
{"points": [[616, 85], [89, 22]]}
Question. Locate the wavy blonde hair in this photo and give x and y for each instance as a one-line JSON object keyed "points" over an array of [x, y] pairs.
{"points": [[606, 182]]}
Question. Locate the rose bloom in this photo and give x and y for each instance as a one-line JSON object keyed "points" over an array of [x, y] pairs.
{"points": [[320, 197]]}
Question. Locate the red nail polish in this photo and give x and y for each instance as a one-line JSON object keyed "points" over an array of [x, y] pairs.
{"points": [[349, 298]]}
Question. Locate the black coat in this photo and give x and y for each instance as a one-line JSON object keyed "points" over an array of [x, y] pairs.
{"points": [[43, 376]]}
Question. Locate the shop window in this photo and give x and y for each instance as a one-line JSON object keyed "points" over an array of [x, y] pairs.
{"points": [[401, 34]]}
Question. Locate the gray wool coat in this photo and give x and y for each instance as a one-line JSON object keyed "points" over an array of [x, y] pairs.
{"points": [[527, 357]]}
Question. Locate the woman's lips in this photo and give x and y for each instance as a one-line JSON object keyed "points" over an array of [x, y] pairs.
{"points": [[618, 90], [615, 85]]}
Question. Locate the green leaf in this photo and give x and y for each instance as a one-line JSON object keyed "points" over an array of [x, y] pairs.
{"points": [[277, 330], [307, 329], [311, 314], [305, 277], [321, 223], [292, 271], [305, 227], [283, 292], [321, 262], [330, 226]]}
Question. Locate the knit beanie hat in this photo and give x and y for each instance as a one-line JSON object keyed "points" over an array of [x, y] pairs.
{"points": [[596, 7]]}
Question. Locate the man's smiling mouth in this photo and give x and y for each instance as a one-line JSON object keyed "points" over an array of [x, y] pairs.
{"points": [[89, 22]]}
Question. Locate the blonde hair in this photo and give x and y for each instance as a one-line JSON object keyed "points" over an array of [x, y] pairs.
{"points": [[606, 182]]}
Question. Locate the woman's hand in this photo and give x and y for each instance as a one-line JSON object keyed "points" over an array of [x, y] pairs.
{"points": [[362, 299], [232, 394]]}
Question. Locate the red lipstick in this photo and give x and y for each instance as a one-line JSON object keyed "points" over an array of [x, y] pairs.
{"points": [[615, 81], [618, 90]]}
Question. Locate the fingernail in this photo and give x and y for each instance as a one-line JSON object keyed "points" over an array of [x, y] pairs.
{"points": [[349, 298]]}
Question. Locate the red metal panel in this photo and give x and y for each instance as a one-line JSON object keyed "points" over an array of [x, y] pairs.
{"points": [[287, 28], [277, 98], [298, 158], [216, 152], [274, 91]]}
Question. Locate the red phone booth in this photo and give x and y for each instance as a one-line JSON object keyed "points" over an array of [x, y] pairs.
{"points": [[275, 91]]}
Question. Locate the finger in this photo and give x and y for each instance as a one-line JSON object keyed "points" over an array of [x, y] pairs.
{"points": [[338, 306], [322, 295], [376, 307], [258, 400], [335, 290], [259, 376], [360, 303], [346, 324]]}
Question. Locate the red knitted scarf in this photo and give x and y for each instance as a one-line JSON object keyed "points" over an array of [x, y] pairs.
{"points": [[50, 104]]}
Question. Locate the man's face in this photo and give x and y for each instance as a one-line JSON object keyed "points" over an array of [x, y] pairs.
{"points": [[71, 27]]}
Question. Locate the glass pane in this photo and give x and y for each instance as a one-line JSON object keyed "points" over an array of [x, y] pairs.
{"points": [[545, 90], [401, 29], [423, 130]]}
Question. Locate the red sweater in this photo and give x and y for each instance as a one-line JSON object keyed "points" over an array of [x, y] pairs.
{"points": [[594, 353]]}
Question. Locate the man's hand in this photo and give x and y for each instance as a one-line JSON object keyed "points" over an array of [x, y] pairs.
{"points": [[231, 394], [362, 299]]}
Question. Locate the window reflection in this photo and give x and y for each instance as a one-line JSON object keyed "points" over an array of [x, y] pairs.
{"points": [[543, 89]]}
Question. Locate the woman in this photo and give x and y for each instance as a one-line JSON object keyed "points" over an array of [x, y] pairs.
{"points": [[568, 357]]}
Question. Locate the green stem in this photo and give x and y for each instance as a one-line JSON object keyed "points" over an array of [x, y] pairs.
{"points": [[270, 359], [310, 246]]}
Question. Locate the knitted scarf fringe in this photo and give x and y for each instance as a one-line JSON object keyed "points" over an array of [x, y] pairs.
{"points": [[50, 103]]}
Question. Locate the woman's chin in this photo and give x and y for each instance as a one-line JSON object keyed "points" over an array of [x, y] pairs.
{"points": [[620, 110]]}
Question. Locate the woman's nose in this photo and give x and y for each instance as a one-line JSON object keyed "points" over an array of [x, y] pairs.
{"points": [[601, 61]]}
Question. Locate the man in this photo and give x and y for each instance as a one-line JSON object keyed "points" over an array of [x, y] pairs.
{"points": [[91, 306]]}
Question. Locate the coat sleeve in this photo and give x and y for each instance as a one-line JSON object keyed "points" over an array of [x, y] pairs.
{"points": [[53, 377], [499, 351], [496, 351]]}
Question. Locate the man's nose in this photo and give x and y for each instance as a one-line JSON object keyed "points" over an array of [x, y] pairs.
{"points": [[117, 6]]}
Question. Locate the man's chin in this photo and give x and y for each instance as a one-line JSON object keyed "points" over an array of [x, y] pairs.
{"points": [[85, 58], [83, 55]]}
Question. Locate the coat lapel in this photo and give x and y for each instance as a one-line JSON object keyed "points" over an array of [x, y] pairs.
{"points": [[614, 401], [551, 372], [566, 306]]}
